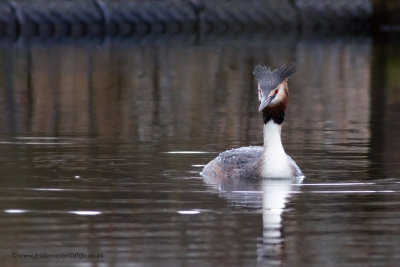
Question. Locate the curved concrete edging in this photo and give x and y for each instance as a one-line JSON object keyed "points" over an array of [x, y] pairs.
{"points": [[58, 18]]}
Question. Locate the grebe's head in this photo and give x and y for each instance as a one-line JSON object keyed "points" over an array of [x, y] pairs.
{"points": [[273, 91], [272, 84]]}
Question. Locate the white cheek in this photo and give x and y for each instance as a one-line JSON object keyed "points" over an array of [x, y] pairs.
{"points": [[278, 97], [259, 95]]}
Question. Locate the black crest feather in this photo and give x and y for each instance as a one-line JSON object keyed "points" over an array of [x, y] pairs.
{"points": [[268, 79]]}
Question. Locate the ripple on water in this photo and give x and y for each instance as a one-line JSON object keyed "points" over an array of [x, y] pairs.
{"points": [[187, 152], [47, 141], [85, 212], [15, 211], [188, 212]]}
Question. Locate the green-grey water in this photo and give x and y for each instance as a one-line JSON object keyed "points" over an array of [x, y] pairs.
{"points": [[102, 143]]}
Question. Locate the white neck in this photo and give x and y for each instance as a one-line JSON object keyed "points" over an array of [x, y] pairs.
{"points": [[274, 162]]}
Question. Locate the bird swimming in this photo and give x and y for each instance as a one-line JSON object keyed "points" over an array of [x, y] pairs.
{"points": [[269, 160]]}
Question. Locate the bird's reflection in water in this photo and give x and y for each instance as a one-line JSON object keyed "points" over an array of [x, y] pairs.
{"points": [[270, 195], [275, 195]]}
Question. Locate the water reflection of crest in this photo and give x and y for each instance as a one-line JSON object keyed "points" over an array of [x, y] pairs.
{"points": [[270, 195]]}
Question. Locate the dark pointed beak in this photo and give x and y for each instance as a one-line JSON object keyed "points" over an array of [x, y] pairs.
{"points": [[265, 101]]}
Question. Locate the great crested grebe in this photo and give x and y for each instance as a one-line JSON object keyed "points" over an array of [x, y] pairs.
{"points": [[271, 160]]}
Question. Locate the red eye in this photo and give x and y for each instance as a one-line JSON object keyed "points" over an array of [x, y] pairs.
{"points": [[276, 91]]}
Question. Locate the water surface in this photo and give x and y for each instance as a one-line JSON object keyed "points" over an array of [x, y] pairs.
{"points": [[102, 142]]}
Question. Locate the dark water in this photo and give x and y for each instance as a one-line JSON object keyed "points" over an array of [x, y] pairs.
{"points": [[102, 144]]}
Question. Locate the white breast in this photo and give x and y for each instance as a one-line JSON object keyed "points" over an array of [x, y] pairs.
{"points": [[274, 162]]}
